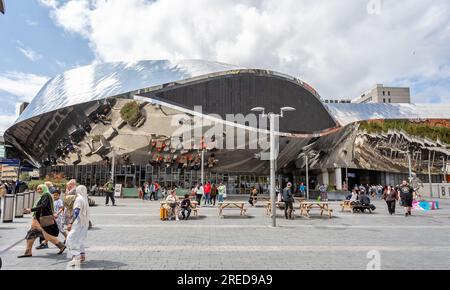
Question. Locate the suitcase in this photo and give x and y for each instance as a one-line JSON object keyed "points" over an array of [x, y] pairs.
{"points": [[163, 214]]}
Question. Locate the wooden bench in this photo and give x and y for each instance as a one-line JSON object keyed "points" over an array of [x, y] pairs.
{"points": [[305, 207], [280, 205], [232, 205]]}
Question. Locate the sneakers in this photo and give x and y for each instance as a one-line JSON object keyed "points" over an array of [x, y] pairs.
{"points": [[42, 246], [177, 219]]}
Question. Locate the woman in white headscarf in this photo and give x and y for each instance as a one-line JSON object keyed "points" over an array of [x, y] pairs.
{"points": [[78, 226]]}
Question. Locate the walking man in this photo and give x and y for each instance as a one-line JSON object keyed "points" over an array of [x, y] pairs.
{"points": [[109, 189], [288, 199]]}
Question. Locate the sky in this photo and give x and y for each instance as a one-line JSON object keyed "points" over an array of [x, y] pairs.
{"points": [[340, 47]]}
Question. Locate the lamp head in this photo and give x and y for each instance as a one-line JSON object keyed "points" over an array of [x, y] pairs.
{"points": [[258, 110], [286, 109]]}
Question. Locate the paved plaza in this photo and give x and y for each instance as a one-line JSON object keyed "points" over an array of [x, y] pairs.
{"points": [[131, 236]]}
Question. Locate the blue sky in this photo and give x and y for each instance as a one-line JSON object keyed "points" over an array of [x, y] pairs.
{"points": [[341, 48], [32, 50]]}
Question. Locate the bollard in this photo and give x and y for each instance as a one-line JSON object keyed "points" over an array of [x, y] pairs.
{"points": [[26, 199], [8, 208], [19, 205]]}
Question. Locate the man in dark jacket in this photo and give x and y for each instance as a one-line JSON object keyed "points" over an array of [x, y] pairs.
{"points": [[288, 199]]}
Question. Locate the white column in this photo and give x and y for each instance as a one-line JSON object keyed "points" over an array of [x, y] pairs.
{"points": [[338, 178], [325, 177]]}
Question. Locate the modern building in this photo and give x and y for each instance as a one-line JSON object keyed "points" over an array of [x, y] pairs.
{"points": [[381, 94], [152, 120]]}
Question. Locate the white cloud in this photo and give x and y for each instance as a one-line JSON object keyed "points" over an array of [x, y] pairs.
{"points": [[32, 22], [29, 53], [23, 85], [48, 3], [6, 121], [336, 46]]}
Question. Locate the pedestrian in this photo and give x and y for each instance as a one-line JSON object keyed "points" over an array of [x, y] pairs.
{"points": [[323, 193], [58, 214], [207, 192], [213, 194], [406, 196], [390, 196], [253, 196], [288, 199], [222, 190], [199, 193], [303, 189], [109, 189], [42, 223], [78, 227]]}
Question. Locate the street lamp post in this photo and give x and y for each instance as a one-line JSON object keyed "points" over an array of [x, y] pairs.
{"points": [[307, 176], [444, 168], [272, 117]]}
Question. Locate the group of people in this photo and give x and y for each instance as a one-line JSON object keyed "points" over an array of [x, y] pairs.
{"points": [[151, 190], [209, 193], [54, 214], [403, 193]]}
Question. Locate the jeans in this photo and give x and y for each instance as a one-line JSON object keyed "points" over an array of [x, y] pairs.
{"points": [[391, 206], [110, 195], [154, 196], [186, 209], [220, 197], [288, 206], [207, 199], [213, 199]]}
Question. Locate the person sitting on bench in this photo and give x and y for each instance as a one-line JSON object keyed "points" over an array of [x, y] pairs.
{"points": [[172, 203], [354, 197], [186, 206]]}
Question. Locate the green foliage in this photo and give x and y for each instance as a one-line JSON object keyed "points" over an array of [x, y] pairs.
{"points": [[416, 129], [130, 113], [33, 184], [25, 177]]}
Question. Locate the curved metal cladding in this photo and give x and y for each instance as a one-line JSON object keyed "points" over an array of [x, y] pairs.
{"points": [[97, 82], [346, 114], [239, 92], [66, 100]]}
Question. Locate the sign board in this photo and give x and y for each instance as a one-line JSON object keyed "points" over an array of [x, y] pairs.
{"points": [[12, 162], [118, 190]]}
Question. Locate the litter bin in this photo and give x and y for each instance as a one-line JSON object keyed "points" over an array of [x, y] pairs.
{"points": [[8, 208], [26, 199], [32, 198], [19, 205]]}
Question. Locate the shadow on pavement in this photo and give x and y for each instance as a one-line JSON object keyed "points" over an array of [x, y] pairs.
{"points": [[102, 264]]}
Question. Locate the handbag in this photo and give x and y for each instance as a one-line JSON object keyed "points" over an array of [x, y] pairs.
{"points": [[46, 221]]}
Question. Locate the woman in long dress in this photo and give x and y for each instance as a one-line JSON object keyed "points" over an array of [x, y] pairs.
{"points": [[42, 212], [78, 227]]}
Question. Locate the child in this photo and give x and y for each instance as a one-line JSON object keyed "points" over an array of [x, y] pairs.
{"points": [[59, 212]]}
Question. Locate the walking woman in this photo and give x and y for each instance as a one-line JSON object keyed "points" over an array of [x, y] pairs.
{"points": [[213, 194], [390, 195], [199, 193], [406, 195], [78, 227], [43, 223]]}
